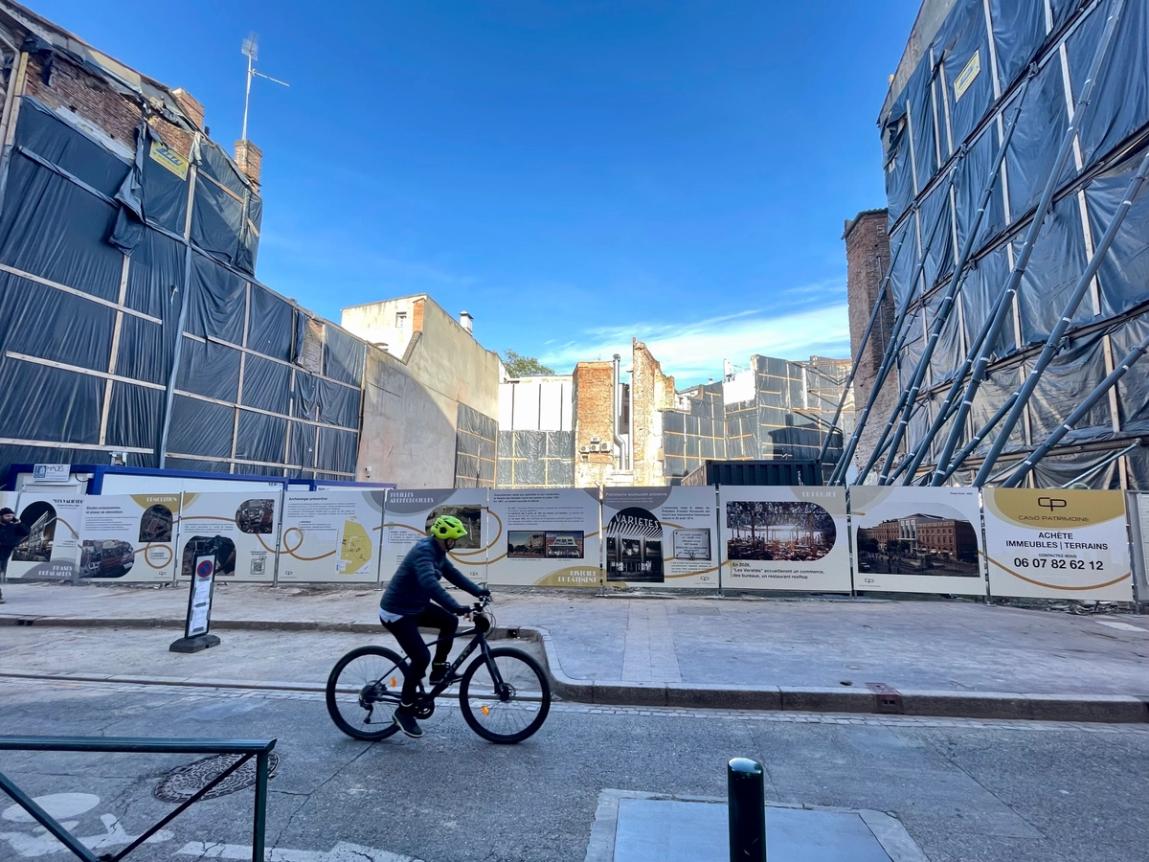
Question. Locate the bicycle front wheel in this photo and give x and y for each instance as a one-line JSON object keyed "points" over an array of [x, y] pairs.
{"points": [[363, 691], [505, 697]]}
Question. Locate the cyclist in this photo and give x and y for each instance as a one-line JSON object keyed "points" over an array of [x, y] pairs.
{"points": [[414, 598]]}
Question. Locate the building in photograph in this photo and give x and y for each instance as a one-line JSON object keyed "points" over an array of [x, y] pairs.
{"points": [[971, 71]]}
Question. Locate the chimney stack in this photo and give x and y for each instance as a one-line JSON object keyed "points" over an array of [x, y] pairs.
{"points": [[467, 321], [249, 159], [190, 105]]}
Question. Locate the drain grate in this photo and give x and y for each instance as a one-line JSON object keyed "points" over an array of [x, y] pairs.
{"points": [[183, 782]]}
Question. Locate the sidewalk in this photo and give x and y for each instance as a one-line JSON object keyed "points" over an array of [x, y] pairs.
{"points": [[951, 658]]}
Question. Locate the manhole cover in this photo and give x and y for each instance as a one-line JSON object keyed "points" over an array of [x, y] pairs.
{"points": [[183, 782]]}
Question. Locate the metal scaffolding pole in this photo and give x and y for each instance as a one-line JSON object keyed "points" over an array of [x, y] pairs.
{"points": [[1082, 409], [1053, 341], [865, 340], [905, 404], [1005, 300], [892, 349], [1105, 462], [981, 434]]}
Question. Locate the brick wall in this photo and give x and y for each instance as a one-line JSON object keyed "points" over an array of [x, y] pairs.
{"points": [[69, 87], [72, 89], [867, 261], [594, 418]]}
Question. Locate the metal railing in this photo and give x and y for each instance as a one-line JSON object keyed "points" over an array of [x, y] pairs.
{"points": [[260, 749]]}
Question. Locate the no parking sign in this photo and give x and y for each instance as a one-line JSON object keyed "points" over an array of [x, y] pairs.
{"points": [[198, 624]]}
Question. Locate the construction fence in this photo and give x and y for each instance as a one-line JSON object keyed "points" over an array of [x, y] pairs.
{"points": [[1005, 542]]}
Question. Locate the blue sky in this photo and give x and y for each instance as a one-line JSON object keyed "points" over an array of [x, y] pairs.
{"points": [[572, 172]]}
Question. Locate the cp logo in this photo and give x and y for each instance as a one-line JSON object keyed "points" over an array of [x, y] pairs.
{"points": [[1052, 503]]}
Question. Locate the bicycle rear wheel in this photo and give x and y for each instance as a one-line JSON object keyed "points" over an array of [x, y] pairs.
{"points": [[506, 703], [362, 691]]}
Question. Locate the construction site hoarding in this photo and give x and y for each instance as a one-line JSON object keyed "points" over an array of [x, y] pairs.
{"points": [[917, 540], [409, 513], [55, 520], [241, 530], [784, 538], [331, 536], [546, 538], [661, 536], [1058, 544], [129, 537]]}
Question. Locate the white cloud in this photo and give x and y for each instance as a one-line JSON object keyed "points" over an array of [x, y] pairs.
{"points": [[693, 351]]}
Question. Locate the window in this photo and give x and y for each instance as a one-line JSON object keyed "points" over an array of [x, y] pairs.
{"points": [[400, 320]]}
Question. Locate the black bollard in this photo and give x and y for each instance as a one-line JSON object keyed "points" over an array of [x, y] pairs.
{"points": [[747, 803]]}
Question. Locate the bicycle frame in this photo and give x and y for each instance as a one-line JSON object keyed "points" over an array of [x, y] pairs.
{"points": [[479, 640]]}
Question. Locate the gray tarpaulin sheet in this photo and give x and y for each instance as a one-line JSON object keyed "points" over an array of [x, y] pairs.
{"points": [[1124, 274], [77, 212], [1121, 104]]}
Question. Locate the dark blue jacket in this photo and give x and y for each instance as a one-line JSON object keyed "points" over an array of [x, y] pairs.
{"points": [[416, 582]]}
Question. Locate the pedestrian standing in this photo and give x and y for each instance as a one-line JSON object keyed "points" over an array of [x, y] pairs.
{"points": [[12, 533]]}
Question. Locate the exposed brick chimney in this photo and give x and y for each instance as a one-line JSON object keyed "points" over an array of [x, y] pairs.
{"points": [[249, 159], [190, 105]]}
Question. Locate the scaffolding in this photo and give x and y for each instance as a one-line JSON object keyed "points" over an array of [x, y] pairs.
{"points": [[1017, 148]]}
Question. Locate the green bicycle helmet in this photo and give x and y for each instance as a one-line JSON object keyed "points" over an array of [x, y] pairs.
{"points": [[447, 527]]}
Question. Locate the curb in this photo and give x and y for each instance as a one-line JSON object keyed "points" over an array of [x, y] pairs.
{"points": [[872, 700]]}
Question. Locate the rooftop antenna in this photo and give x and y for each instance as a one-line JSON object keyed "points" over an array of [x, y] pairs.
{"points": [[251, 51]]}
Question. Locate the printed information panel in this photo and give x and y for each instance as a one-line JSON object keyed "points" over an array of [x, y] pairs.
{"points": [[331, 536], [917, 540], [52, 550], [238, 529], [409, 513], [1054, 543], [130, 537], [546, 538], [784, 538], [662, 536]]}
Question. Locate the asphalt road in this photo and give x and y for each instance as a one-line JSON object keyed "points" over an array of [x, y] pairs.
{"points": [[964, 790]]}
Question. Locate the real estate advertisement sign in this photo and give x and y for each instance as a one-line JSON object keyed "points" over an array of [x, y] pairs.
{"points": [[546, 538], [331, 536], [408, 514], [663, 536], [240, 529], [784, 538], [1056, 543], [52, 550], [129, 537], [917, 540]]}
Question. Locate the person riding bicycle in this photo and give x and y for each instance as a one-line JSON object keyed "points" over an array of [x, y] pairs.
{"points": [[414, 598]]}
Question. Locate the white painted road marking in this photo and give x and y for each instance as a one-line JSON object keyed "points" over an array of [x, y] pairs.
{"points": [[1125, 627]]}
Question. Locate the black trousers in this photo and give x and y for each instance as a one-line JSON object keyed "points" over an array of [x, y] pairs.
{"points": [[406, 631]]}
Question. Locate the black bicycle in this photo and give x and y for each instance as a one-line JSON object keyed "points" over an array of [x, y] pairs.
{"points": [[504, 694]]}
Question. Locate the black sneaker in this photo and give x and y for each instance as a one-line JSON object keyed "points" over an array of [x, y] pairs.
{"points": [[439, 673], [405, 721]]}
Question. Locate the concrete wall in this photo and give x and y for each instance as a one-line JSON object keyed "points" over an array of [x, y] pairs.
{"points": [[408, 436], [439, 367]]}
